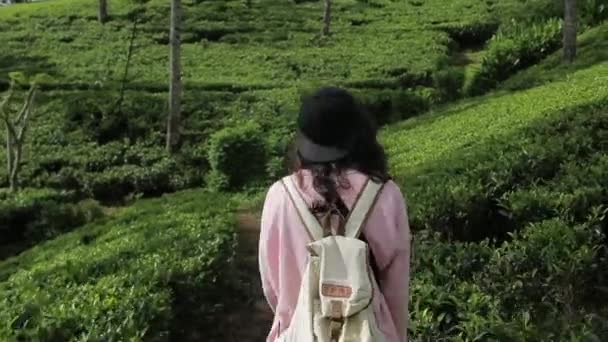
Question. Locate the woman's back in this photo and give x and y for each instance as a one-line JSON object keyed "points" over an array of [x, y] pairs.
{"points": [[283, 254]]}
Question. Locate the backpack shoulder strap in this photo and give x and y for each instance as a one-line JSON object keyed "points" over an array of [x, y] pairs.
{"points": [[312, 225], [361, 209]]}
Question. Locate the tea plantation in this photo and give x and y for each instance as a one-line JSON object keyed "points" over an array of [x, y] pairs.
{"points": [[500, 148]]}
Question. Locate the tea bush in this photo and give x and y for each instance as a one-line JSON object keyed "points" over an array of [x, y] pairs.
{"points": [[33, 215], [590, 12], [515, 48], [392, 105], [237, 156], [591, 49], [545, 283], [553, 267], [509, 219], [505, 173], [464, 204], [122, 279], [547, 184], [83, 133], [456, 167]]}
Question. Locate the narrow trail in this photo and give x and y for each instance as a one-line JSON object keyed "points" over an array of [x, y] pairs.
{"points": [[252, 320]]}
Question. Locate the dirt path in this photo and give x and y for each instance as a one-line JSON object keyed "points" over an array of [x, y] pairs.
{"points": [[251, 322]]}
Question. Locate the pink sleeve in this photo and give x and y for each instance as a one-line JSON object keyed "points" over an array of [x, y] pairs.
{"points": [[391, 249], [269, 245]]}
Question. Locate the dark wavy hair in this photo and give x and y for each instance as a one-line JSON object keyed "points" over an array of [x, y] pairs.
{"points": [[367, 156]]}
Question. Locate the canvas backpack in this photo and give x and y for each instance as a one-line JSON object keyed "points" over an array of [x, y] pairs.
{"points": [[338, 285]]}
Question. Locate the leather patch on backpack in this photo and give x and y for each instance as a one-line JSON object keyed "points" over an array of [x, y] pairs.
{"points": [[336, 291]]}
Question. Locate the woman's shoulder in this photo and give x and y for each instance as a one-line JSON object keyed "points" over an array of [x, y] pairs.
{"points": [[391, 191], [277, 189], [391, 186]]}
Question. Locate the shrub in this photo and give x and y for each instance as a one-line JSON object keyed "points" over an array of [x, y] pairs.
{"points": [[542, 284], [391, 105], [31, 216], [279, 144], [101, 116], [474, 200], [470, 34], [113, 185], [133, 277], [449, 83], [590, 12], [593, 12], [237, 156], [577, 188], [550, 272], [531, 194], [512, 49]]}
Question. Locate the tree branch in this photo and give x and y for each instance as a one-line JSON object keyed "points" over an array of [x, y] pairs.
{"points": [[7, 98], [27, 105], [23, 120], [10, 127]]}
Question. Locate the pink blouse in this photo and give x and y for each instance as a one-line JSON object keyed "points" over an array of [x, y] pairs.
{"points": [[283, 256]]}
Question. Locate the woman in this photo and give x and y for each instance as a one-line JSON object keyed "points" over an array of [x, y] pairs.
{"points": [[337, 152]]}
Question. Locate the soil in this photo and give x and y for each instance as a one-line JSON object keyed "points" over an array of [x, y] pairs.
{"points": [[250, 322]]}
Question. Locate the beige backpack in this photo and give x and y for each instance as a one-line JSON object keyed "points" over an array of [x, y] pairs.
{"points": [[335, 300]]}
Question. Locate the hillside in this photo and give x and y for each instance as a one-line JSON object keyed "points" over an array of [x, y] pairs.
{"points": [[99, 125], [506, 192], [225, 42]]}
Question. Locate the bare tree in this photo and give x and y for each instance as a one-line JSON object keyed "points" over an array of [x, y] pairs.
{"points": [[175, 82], [570, 27], [15, 131], [123, 83], [326, 18], [102, 14]]}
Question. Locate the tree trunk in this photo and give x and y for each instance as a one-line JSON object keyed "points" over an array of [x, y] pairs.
{"points": [[9, 156], [570, 30], [15, 134], [175, 83], [103, 11], [13, 180], [326, 18]]}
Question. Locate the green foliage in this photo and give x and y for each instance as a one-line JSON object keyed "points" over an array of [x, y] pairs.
{"points": [[123, 279], [449, 81], [257, 68], [592, 49], [470, 34], [30, 216], [392, 105], [542, 284], [104, 118], [474, 200], [552, 267], [520, 178], [448, 133], [593, 12], [237, 156], [527, 196], [590, 12], [515, 48]]}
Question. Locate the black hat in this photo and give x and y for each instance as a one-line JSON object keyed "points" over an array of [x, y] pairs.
{"points": [[327, 125]]}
